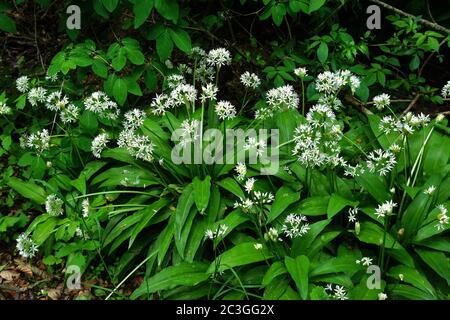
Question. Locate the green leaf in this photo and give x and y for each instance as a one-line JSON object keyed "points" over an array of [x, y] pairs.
{"points": [[202, 192], [181, 39], [183, 274], [185, 203], [141, 10], [276, 269], [297, 5], [242, 254], [333, 265], [322, 52], [120, 91], [298, 268], [301, 245], [283, 198], [312, 206], [437, 261], [278, 13], [164, 45], [337, 203], [135, 56], [412, 276], [44, 230], [100, 68], [415, 214], [28, 189], [88, 122], [232, 186], [408, 292], [7, 24], [168, 9], [119, 61], [374, 185], [110, 5], [315, 5]]}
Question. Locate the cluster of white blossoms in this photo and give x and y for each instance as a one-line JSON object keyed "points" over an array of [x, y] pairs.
{"points": [[255, 146], [70, 114], [37, 95], [56, 101], [54, 205], [26, 246], [272, 235], [38, 141], [249, 184], [219, 232], [219, 57], [280, 98], [244, 203], [442, 217], [446, 90], [430, 190], [81, 234], [404, 125], [85, 208], [385, 209], [365, 261], [99, 103], [241, 170], [183, 94], [225, 110], [338, 292], [250, 80], [317, 141], [22, 84], [189, 132], [4, 109], [382, 101], [380, 161], [99, 144], [263, 197], [137, 145], [352, 214], [209, 92], [295, 225], [301, 72], [174, 80], [134, 119], [331, 82], [161, 103]]}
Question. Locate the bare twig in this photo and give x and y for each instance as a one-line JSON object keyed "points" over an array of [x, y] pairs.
{"points": [[412, 103], [429, 58], [421, 21]]}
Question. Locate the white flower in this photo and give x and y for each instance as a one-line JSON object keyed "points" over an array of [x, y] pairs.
{"points": [[225, 110], [365, 261], [301, 72], [245, 204], [218, 57], [52, 78], [446, 90], [258, 246], [442, 217], [99, 103], [4, 109], [382, 101], [26, 246], [401, 276], [79, 233], [380, 161], [219, 232], [264, 197], [70, 114], [99, 143], [329, 287], [161, 103], [241, 170], [340, 293], [40, 141], [331, 82], [272, 235], [138, 146], [184, 69], [183, 94], [22, 84], [197, 53], [249, 184], [295, 225], [250, 80], [134, 119], [174, 80], [37, 95], [395, 148], [85, 208], [385, 209], [382, 296], [54, 205], [430, 190], [189, 131], [56, 101], [209, 92], [282, 98], [352, 214], [257, 146]]}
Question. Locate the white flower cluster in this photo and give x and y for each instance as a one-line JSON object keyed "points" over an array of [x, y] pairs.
{"points": [[365, 261], [70, 114], [99, 103], [37, 95], [56, 101], [301, 72], [54, 205], [225, 110], [280, 98], [295, 225], [446, 90], [26, 246], [134, 119], [183, 94], [161, 103], [250, 80], [219, 57], [317, 141], [352, 214], [4, 109], [22, 84], [38, 141], [85, 208], [241, 170], [209, 92], [338, 292], [137, 145], [331, 82], [442, 217], [99, 144], [190, 132], [255, 146], [382, 101], [174, 80], [385, 208], [404, 125], [217, 233], [380, 161]]}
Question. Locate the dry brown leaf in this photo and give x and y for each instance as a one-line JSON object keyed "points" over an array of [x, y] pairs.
{"points": [[54, 294], [9, 275]]}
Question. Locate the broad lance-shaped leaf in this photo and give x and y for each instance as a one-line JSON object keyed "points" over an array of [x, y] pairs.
{"points": [[298, 268], [202, 192], [183, 274], [283, 198], [337, 203], [437, 261], [231, 185], [412, 276], [242, 254], [28, 190], [276, 269], [185, 203]]}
